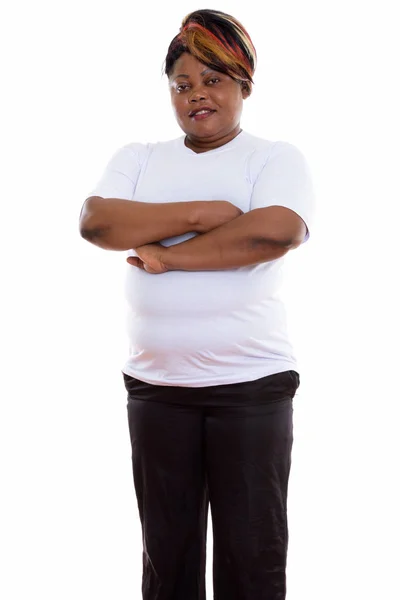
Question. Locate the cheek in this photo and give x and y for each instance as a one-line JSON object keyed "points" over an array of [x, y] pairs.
{"points": [[175, 102], [232, 108], [229, 103], [179, 108]]}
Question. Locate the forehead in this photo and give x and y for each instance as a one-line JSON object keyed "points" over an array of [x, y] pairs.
{"points": [[188, 65]]}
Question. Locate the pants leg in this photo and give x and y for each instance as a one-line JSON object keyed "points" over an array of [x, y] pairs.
{"points": [[248, 454], [169, 478]]}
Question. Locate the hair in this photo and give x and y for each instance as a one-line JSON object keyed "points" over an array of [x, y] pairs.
{"points": [[219, 41]]}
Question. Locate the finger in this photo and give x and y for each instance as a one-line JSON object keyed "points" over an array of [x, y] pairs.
{"points": [[135, 262]]}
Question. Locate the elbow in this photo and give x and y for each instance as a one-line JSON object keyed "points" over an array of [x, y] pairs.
{"points": [[90, 227], [284, 244], [286, 241], [92, 234]]}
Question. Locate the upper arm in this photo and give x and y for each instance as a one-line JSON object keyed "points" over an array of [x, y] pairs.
{"points": [[118, 180], [120, 176], [284, 188]]}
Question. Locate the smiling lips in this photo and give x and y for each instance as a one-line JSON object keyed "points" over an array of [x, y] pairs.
{"points": [[201, 113]]}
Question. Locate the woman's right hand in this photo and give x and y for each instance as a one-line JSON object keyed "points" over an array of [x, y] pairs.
{"points": [[214, 213]]}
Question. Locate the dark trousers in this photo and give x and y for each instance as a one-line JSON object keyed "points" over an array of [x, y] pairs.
{"points": [[227, 445]]}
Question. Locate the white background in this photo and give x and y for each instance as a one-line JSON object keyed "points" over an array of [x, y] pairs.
{"points": [[79, 80]]}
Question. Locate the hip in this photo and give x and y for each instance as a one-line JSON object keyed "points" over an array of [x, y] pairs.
{"points": [[264, 390]]}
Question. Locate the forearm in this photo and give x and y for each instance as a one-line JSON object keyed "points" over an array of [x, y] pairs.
{"points": [[241, 242], [115, 224]]}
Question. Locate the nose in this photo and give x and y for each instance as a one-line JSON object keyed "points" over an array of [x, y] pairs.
{"points": [[198, 93]]}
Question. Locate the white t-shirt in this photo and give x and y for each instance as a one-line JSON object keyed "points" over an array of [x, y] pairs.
{"points": [[203, 328]]}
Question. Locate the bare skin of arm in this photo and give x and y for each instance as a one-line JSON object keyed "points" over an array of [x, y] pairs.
{"points": [[259, 236], [116, 224]]}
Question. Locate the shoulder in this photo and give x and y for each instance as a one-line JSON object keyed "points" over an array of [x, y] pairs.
{"points": [[144, 151], [268, 149], [257, 143], [133, 151], [129, 158], [276, 156], [286, 151]]}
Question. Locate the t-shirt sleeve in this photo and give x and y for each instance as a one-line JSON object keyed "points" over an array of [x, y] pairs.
{"points": [[285, 180], [121, 174]]}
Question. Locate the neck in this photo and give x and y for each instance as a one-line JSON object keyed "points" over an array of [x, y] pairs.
{"points": [[200, 145]]}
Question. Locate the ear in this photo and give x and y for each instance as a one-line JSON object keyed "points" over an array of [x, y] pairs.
{"points": [[246, 89]]}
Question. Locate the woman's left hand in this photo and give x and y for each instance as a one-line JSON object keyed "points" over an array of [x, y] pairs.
{"points": [[149, 258]]}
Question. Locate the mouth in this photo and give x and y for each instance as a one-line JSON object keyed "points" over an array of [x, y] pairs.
{"points": [[201, 113]]}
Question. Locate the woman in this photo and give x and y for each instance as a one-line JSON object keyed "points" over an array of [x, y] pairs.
{"points": [[211, 374]]}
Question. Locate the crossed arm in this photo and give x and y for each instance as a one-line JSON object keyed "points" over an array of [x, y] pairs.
{"points": [[228, 239], [259, 236]]}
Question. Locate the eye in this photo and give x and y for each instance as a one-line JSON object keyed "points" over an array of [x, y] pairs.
{"points": [[181, 87], [214, 79]]}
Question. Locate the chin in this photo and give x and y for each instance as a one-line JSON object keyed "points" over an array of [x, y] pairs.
{"points": [[203, 132]]}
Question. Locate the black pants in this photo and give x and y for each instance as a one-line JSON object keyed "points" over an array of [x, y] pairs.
{"points": [[227, 445]]}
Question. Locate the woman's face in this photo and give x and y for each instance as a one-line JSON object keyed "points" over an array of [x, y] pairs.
{"points": [[193, 86]]}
